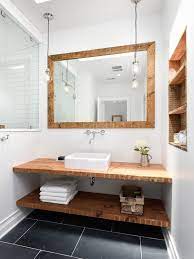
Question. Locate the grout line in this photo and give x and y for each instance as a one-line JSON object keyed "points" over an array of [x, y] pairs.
{"points": [[60, 223], [78, 242], [116, 232], [25, 232], [141, 252], [37, 254], [19, 245], [28, 247], [50, 252]]}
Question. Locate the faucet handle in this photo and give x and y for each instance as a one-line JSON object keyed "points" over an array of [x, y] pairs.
{"points": [[87, 132]]}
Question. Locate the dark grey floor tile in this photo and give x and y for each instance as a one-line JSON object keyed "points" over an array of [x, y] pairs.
{"points": [[45, 255], [8, 251], [52, 237], [46, 215], [137, 229], [89, 222], [96, 244], [18, 231], [152, 248]]}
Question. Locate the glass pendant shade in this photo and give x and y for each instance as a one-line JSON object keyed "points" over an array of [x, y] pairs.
{"points": [[135, 68], [66, 89], [135, 83]]}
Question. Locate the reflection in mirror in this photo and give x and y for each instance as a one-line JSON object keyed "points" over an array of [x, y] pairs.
{"points": [[19, 91], [99, 89]]}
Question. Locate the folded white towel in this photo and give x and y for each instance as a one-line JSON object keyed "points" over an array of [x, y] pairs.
{"points": [[57, 194], [43, 197], [59, 186], [60, 200]]}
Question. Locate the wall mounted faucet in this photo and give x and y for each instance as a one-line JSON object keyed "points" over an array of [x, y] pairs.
{"points": [[2, 139], [93, 133]]}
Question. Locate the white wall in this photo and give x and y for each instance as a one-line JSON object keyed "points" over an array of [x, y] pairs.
{"points": [[177, 15], [21, 146]]}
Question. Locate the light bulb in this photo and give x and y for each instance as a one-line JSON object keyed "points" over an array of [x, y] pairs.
{"points": [[135, 67], [66, 89], [135, 83], [47, 75]]}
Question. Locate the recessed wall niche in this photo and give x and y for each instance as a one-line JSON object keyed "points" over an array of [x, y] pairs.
{"points": [[178, 93]]}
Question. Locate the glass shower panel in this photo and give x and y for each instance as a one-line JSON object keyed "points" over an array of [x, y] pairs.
{"points": [[19, 77]]}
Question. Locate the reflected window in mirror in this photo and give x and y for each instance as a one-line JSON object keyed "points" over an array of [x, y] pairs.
{"points": [[19, 77]]}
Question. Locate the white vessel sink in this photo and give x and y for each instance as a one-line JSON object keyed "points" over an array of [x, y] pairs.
{"points": [[88, 161]]}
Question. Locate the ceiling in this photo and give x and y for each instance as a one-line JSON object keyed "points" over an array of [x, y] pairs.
{"points": [[75, 13], [100, 68]]}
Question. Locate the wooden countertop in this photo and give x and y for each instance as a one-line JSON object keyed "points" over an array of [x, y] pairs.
{"points": [[117, 171]]}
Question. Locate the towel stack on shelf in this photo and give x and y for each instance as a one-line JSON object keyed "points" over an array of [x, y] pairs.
{"points": [[60, 191]]}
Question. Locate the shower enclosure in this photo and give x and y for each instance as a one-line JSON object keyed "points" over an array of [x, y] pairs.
{"points": [[19, 77]]}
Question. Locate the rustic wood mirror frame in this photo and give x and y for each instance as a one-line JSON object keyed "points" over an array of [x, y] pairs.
{"points": [[150, 121]]}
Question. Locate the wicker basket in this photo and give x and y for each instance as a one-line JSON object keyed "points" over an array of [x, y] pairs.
{"points": [[132, 200]]}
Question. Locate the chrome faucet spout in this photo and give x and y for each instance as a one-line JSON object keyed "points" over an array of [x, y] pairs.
{"points": [[93, 134], [93, 137]]}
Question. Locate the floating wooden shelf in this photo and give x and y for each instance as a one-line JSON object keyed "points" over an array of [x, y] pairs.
{"points": [[180, 76], [117, 171], [177, 97], [101, 206], [182, 147], [179, 110]]}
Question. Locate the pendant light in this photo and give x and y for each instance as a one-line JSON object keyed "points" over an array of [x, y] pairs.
{"points": [[49, 17], [135, 64], [135, 83]]}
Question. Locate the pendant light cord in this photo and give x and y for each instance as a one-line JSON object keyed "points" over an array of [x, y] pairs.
{"points": [[136, 14], [48, 40]]}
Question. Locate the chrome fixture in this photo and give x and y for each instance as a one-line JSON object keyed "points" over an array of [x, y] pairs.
{"points": [[49, 17], [93, 133], [3, 14], [135, 64], [2, 139]]}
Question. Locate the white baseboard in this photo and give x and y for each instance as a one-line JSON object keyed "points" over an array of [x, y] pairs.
{"points": [[173, 253], [12, 220]]}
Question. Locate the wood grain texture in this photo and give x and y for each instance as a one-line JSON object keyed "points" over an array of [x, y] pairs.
{"points": [[182, 147], [150, 120], [179, 77], [180, 110], [101, 206], [180, 50], [117, 171]]}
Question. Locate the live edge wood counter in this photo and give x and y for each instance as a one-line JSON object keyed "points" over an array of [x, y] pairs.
{"points": [[117, 171]]}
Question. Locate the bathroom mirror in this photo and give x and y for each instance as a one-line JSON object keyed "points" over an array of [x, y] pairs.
{"points": [[19, 80], [95, 89]]}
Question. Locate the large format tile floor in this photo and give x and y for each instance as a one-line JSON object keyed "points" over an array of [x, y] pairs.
{"points": [[48, 235]]}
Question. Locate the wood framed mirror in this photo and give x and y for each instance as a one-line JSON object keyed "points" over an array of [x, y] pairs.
{"points": [[88, 88]]}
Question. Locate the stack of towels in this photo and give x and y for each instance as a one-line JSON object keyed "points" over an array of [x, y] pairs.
{"points": [[60, 191]]}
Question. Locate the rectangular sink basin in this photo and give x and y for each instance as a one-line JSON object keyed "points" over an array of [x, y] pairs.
{"points": [[88, 161]]}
